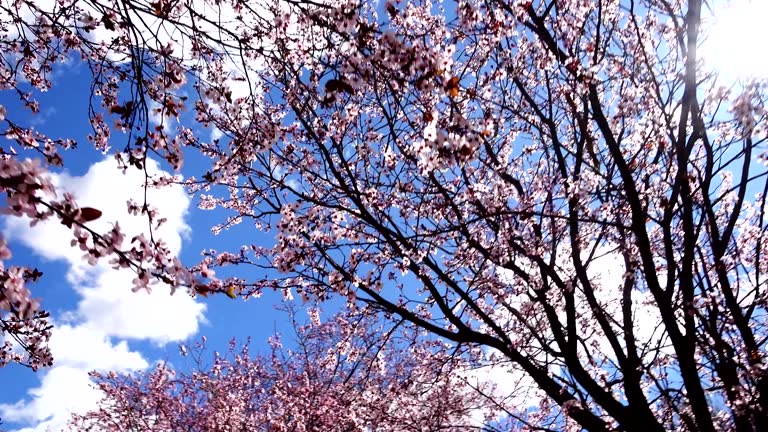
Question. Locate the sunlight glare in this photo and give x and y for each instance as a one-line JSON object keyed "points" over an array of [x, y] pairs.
{"points": [[735, 34]]}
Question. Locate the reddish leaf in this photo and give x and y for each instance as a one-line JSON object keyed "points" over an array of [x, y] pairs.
{"points": [[88, 214]]}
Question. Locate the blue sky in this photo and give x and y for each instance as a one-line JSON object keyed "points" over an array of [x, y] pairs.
{"points": [[100, 323]]}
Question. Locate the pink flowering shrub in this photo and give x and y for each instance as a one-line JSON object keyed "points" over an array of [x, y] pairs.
{"points": [[339, 377]]}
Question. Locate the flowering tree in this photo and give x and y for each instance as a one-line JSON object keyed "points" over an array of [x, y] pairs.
{"points": [[340, 377], [559, 182]]}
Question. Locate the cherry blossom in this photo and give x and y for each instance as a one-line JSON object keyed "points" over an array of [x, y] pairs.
{"points": [[339, 377], [556, 186]]}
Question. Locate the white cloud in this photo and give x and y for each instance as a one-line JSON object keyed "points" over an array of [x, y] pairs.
{"points": [[157, 118], [504, 384], [162, 318], [63, 390], [514, 389], [216, 133], [96, 334], [101, 354]]}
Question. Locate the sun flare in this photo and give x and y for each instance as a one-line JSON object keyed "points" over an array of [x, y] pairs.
{"points": [[735, 32]]}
